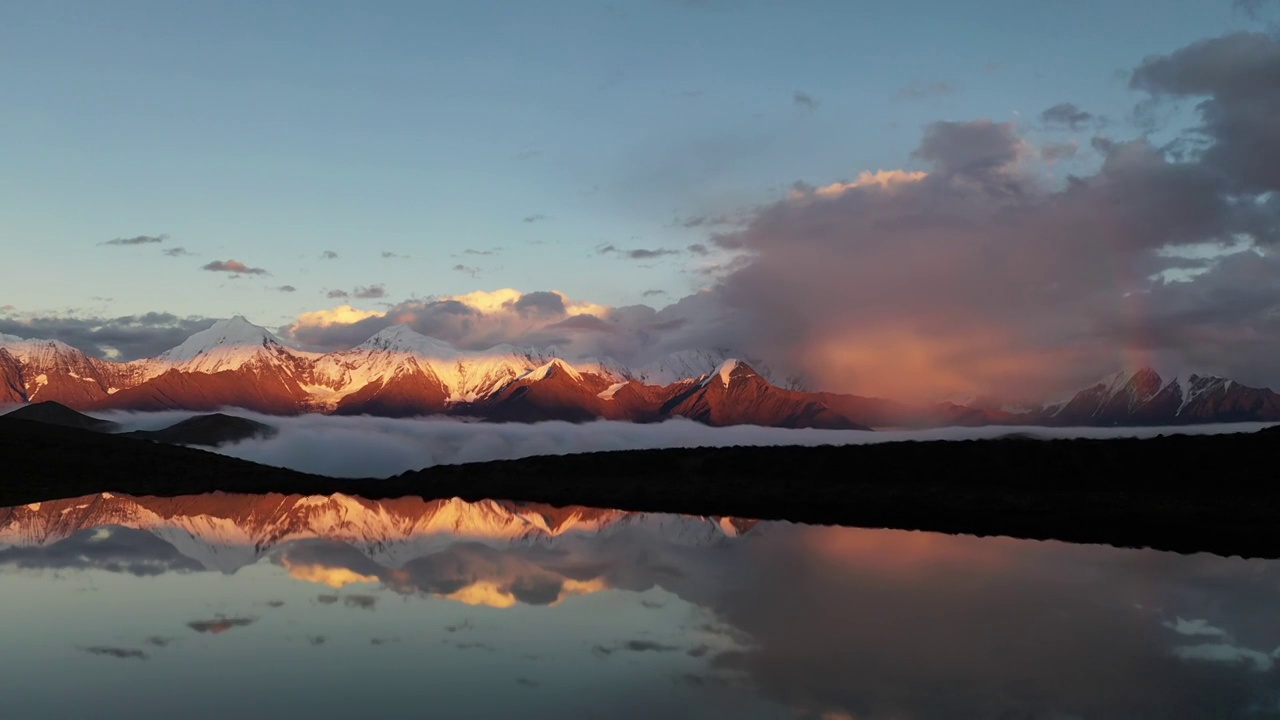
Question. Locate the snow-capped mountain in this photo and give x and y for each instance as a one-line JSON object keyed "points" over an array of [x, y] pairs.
{"points": [[401, 373], [225, 532], [1143, 397]]}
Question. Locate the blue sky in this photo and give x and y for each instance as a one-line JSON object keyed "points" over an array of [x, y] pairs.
{"points": [[270, 132]]}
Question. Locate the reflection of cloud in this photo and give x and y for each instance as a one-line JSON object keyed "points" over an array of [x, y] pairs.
{"points": [[333, 577], [113, 549], [638, 646], [115, 652], [1225, 653], [220, 624]]}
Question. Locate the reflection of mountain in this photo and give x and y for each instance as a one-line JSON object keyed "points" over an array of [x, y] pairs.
{"points": [[226, 532]]}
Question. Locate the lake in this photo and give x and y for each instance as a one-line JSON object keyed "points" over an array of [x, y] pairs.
{"points": [[237, 606]]}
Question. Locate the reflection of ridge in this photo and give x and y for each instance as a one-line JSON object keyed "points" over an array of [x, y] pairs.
{"points": [[226, 532]]}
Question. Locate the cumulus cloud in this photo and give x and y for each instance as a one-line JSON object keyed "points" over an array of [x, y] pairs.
{"points": [[136, 240], [234, 267], [981, 276]]}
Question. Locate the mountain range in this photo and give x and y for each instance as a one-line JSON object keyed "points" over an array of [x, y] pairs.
{"points": [[400, 373]]}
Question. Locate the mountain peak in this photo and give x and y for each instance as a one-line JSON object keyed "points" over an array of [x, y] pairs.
{"points": [[221, 343], [556, 365], [728, 370], [403, 338]]}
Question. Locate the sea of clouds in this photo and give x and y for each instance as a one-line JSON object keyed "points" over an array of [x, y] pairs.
{"points": [[380, 447]]}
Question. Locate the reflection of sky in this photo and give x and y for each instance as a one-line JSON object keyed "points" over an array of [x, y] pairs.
{"points": [[785, 621]]}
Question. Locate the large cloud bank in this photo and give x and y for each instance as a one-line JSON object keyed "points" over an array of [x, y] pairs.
{"points": [[380, 447]]}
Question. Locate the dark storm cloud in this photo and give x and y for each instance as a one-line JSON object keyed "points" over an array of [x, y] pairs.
{"points": [[137, 240], [1237, 74], [370, 292], [129, 336], [234, 267], [119, 550], [1066, 115]]}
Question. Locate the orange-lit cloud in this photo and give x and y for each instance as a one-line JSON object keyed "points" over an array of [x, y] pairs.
{"points": [[340, 315], [334, 577]]}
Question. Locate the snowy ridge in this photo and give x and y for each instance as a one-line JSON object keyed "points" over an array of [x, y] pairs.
{"points": [[227, 345], [547, 370]]}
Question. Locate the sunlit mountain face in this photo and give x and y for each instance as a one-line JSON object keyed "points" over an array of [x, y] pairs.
{"points": [[497, 608]]}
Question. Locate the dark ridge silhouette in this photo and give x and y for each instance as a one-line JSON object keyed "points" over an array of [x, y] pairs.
{"points": [[208, 431], [1207, 493], [55, 413]]}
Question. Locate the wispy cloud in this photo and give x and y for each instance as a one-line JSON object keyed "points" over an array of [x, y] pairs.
{"points": [[177, 252], [234, 267], [1066, 115], [337, 294], [370, 292], [653, 293], [287, 288], [805, 100], [636, 253], [468, 269], [136, 240], [328, 255], [534, 218]]}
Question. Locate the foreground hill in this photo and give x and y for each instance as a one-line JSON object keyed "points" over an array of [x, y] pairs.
{"points": [[1167, 492]]}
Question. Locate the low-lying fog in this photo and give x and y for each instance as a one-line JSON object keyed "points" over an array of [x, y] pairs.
{"points": [[378, 447]]}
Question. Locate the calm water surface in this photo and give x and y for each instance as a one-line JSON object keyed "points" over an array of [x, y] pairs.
{"points": [[334, 607]]}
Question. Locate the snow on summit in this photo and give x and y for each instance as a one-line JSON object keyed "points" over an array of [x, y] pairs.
{"points": [[226, 345]]}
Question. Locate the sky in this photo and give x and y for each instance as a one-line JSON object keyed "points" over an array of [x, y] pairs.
{"points": [[1045, 198]]}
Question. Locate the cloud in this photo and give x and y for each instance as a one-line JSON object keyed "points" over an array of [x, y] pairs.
{"points": [[1053, 152], [534, 218], [334, 294], [116, 550], [136, 240], [387, 254], [220, 624], [653, 293], [980, 276], [920, 91], [636, 253], [287, 288], [233, 266], [805, 100], [698, 249], [705, 221], [381, 447], [471, 270], [126, 337], [473, 251], [328, 255], [370, 292], [1066, 115], [1254, 9], [116, 652], [177, 252]]}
